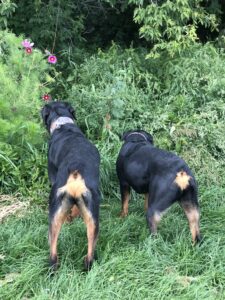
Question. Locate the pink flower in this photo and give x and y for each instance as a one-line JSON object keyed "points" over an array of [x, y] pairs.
{"points": [[46, 97], [27, 44], [28, 50], [52, 59]]}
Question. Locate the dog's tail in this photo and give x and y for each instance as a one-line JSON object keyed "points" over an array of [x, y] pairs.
{"points": [[75, 186], [183, 180]]}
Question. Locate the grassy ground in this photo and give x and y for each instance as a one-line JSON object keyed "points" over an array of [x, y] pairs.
{"points": [[131, 264]]}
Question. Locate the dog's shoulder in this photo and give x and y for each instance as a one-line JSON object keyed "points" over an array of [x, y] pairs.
{"points": [[132, 152]]}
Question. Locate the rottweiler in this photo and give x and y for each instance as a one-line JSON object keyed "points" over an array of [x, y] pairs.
{"points": [[73, 169], [162, 176]]}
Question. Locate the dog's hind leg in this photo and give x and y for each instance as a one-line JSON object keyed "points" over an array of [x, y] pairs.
{"points": [[146, 202], [157, 206], [87, 201], [89, 209], [125, 197], [57, 216], [189, 203]]}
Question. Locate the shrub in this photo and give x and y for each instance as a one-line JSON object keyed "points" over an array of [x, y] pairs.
{"points": [[179, 100], [21, 87]]}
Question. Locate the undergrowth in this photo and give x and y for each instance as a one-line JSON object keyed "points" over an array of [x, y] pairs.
{"points": [[181, 102]]}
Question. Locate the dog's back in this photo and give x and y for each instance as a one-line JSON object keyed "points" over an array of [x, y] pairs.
{"points": [[70, 150], [138, 162]]}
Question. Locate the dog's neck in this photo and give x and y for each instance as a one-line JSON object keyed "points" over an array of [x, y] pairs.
{"points": [[138, 133], [57, 123]]}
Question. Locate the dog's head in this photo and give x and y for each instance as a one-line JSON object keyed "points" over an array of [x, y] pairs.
{"points": [[137, 136], [54, 110]]}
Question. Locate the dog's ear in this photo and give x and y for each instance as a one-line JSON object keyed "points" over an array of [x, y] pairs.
{"points": [[45, 112], [149, 137], [72, 111]]}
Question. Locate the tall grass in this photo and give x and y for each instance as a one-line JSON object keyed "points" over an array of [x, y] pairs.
{"points": [[130, 265]]}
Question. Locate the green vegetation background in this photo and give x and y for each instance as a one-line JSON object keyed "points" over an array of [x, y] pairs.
{"points": [[170, 82]]}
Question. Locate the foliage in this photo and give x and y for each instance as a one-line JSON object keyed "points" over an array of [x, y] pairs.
{"points": [[180, 101], [7, 8], [21, 88], [51, 24], [172, 25]]}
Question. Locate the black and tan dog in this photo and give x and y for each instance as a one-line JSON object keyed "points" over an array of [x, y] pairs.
{"points": [[73, 168], [162, 176]]}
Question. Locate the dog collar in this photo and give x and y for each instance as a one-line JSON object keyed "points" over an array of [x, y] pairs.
{"points": [[139, 133], [59, 122]]}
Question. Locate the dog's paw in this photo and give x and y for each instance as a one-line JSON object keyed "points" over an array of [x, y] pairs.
{"points": [[153, 235], [123, 214], [53, 263], [88, 263], [198, 240]]}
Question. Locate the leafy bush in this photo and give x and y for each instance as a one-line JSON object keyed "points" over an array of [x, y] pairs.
{"points": [[7, 8], [179, 100], [21, 87], [172, 25]]}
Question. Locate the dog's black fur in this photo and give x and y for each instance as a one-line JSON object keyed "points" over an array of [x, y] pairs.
{"points": [[73, 168], [162, 176]]}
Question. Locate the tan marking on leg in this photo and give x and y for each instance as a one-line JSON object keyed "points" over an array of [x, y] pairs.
{"points": [[146, 202], [125, 204], [154, 220], [193, 216], [92, 233], [54, 230], [74, 213], [56, 224], [157, 217], [92, 238], [75, 186], [182, 180]]}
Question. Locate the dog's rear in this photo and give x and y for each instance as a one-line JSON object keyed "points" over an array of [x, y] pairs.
{"points": [[182, 189], [189, 202], [74, 195]]}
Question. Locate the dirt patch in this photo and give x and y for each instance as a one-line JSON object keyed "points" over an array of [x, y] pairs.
{"points": [[11, 205]]}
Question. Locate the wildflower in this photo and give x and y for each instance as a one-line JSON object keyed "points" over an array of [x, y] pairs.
{"points": [[27, 44], [28, 50], [46, 97], [52, 59]]}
